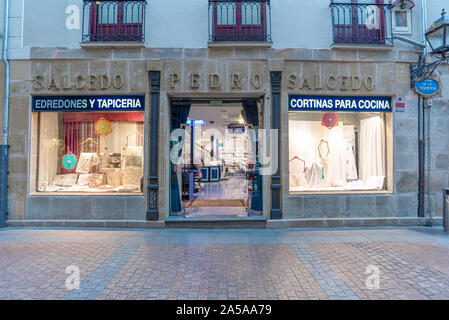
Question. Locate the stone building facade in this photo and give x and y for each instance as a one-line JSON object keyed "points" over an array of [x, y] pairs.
{"points": [[273, 75]]}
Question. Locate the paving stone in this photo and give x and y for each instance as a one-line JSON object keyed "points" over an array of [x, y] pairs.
{"points": [[224, 264]]}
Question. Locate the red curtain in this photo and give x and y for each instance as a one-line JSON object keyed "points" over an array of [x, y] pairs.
{"points": [[78, 127], [111, 116]]}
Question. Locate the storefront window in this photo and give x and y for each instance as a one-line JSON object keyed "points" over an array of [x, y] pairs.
{"points": [[338, 151], [87, 152]]}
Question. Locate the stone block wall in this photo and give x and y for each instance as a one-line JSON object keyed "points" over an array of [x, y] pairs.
{"points": [[438, 141], [21, 205], [390, 68]]}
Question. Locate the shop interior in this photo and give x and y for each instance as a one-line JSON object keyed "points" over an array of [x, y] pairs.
{"points": [[87, 152], [214, 175], [337, 151]]}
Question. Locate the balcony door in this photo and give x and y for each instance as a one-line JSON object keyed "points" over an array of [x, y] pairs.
{"points": [[357, 23], [239, 21], [116, 21]]}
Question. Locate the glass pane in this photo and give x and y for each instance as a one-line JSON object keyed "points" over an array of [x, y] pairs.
{"points": [[251, 13], [133, 13], [107, 13], [226, 14], [401, 19], [85, 152], [436, 38], [337, 151], [447, 36]]}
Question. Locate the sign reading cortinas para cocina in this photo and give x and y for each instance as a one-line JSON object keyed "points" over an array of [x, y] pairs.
{"points": [[88, 103], [339, 103]]}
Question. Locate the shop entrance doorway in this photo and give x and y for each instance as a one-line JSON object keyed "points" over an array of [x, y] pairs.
{"points": [[214, 159]]}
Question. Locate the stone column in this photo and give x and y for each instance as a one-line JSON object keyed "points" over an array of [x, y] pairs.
{"points": [[276, 76], [153, 181]]}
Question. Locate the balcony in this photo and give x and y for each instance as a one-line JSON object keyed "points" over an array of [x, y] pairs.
{"points": [[362, 24], [239, 21], [113, 21]]}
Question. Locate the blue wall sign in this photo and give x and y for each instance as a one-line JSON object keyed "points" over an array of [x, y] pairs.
{"points": [[428, 87], [339, 103], [88, 103]]}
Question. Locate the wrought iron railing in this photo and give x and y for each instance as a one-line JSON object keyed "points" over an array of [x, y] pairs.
{"points": [[106, 21], [239, 20], [362, 24]]}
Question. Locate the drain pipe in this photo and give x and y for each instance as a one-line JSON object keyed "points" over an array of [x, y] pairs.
{"points": [[427, 105], [429, 159], [421, 107], [4, 148]]}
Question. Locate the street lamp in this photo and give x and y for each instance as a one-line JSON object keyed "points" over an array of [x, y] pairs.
{"points": [[438, 36]]}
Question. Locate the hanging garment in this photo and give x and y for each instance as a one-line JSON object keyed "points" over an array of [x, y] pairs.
{"points": [[324, 151], [351, 169], [313, 176], [297, 174]]}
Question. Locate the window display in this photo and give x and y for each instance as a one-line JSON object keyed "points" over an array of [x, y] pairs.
{"points": [[348, 155], [87, 152]]}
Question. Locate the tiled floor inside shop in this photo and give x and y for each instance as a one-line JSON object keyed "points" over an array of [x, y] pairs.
{"points": [[230, 188]]}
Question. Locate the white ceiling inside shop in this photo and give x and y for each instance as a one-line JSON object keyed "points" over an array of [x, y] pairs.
{"points": [[224, 115]]}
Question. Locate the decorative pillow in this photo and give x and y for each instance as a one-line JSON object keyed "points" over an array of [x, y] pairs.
{"points": [[132, 157], [84, 162], [132, 175]]}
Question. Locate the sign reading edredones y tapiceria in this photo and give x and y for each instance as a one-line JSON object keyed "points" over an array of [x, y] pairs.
{"points": [[339, 103], [88, 103]]}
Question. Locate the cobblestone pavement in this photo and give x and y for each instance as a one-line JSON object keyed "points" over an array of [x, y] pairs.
{"points": [[407, 263]]}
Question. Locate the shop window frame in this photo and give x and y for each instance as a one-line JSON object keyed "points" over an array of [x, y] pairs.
{"points": [[389, 187], [33, 167]]}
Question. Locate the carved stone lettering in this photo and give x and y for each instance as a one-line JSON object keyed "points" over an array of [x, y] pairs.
{"points": [[235, 79], [256, 81], [214, 81], [174, 78], [195, 81]]}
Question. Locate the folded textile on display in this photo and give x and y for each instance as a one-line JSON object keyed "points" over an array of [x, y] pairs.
{"points": [[113, 177], [84, 179], [96, 180], [65, 180]]}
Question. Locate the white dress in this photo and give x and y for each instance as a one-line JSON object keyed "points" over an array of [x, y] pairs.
{"points": [[314, 173]]}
